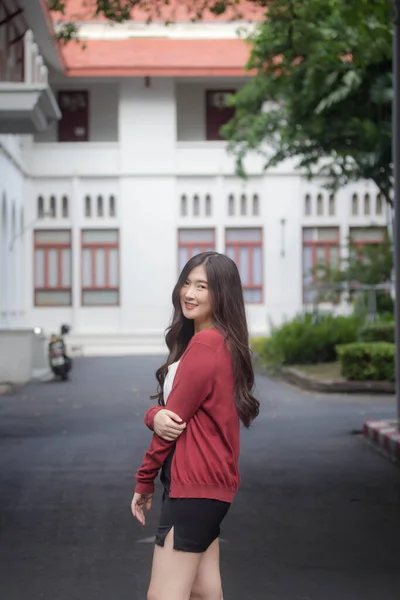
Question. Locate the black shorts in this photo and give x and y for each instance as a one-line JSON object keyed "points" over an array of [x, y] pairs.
{"points": [[196, 521]]}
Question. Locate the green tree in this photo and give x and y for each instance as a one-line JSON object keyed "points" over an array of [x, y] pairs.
{"points": [[322, 87], [322, 91]]}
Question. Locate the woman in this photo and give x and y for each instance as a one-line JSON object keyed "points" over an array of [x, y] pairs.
{"points": [[207, 385]]}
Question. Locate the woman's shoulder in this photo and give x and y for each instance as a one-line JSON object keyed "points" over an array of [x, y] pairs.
{"points": [[209, 337]]}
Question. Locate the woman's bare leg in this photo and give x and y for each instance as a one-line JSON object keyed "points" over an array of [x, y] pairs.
{"points": [[173, 572], [207, 584]]}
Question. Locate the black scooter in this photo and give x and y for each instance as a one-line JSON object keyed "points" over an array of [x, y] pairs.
{"points": [[60, 362]]}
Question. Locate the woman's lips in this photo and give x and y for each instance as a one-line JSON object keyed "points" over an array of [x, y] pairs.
{"points": [[189, 306]]}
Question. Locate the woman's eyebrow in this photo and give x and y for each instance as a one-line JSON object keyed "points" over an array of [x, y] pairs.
{"points": [[198, 281]]}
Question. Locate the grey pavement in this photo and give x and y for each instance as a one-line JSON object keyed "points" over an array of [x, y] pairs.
{"points": [[317, 516]]}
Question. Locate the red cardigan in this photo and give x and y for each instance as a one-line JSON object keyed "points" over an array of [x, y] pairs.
{"points": [[205, 462]]}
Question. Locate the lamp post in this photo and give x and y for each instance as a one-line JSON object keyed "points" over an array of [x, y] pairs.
{"points": [[396, 174]]}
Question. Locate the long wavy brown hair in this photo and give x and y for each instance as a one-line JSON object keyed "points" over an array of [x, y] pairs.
{"points": [[226, 295]]}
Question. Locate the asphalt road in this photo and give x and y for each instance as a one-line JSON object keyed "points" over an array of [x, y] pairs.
{"points": [[317, 516]]}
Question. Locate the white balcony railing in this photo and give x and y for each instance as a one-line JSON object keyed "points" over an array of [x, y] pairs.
{"points": [[35, 71]]}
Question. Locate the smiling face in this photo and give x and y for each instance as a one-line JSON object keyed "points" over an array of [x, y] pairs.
{"points": [[195, 299]]}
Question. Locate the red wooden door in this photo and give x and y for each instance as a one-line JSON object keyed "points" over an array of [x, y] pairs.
{"points": [[74, 123], [217, 112]]}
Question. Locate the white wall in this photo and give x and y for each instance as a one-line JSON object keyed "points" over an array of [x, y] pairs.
{"points": [[147, 171], [103, 112], [12, 240]]}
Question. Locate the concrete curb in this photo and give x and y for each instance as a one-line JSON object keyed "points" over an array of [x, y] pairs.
{"points": [[385, 436], [335, 386]]}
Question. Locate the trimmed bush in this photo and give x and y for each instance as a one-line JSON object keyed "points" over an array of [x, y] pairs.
{"points": [[377, 332], [363, 361], [258, 345], [308, 339]]}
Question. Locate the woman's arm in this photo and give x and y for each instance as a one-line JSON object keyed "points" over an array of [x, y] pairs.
{"points": [[193, 383]]}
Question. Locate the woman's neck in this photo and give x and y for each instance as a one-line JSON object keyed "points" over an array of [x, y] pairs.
{"points": [[202, 326]]}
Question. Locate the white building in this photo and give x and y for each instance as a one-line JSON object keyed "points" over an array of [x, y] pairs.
{"points": [[101, 208]]}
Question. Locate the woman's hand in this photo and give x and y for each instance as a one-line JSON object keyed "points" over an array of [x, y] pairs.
{"points": [[140, 501], [168, 425]]}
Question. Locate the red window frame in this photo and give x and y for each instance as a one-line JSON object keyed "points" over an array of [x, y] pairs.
{"points": [[46, 247], [251, 245], [71, 119], [315, 244], [358, 245], [191, 245], [93, 247], [217, 117], [361, 243]]}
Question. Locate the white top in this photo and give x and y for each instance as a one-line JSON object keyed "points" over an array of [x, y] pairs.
{"points": [[169, 379]]}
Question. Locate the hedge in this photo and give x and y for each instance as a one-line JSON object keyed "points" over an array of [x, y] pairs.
{"points": [[307, 339], [367, 361], [377, 332]]}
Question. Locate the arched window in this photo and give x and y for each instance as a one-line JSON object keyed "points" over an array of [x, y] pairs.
{"points": [[367, 204], [332, 205], [208, 206], [112, 209], [307, 205], [53, 207], [320, 205], [184, 206], [256, 205], [243, 204], [379, 204], [231, 205], [354, 205], [40, 207], [88, 206], [65, 207], [13, 221], [100, 206], [196, 206]]}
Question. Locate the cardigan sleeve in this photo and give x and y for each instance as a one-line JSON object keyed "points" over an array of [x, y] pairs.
{"points": [[192, 385], [150, 414]]}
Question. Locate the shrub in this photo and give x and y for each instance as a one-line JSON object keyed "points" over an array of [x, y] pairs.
{"points": [[258, 345], [363, 361], [377, 332], [308, 339]]}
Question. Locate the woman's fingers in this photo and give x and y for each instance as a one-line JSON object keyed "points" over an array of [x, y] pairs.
{"points": [[172, 415], [173, 427], [167, 428], [137, 508]]}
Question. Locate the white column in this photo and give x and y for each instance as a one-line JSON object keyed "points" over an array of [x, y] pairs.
{"points": [[147, 126], [8, 270], [219, 212], [75, 206]]}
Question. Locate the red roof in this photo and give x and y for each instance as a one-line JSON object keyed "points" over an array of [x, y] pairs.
{"points": [[83, 10], [157, 57]]}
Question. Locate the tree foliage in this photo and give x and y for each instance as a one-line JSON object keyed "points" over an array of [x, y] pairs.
{"points": [[322, 91], [119, 11]]}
